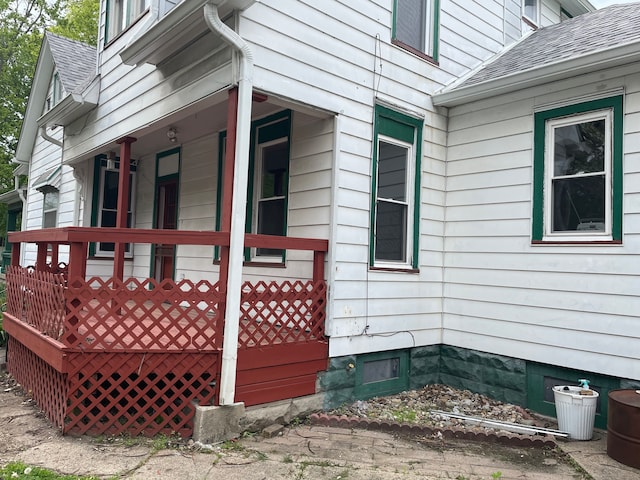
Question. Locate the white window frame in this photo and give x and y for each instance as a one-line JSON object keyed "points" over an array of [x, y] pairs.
{"points": [[535, 19], [429, 29], [53, 209], [132, 179], [406, 262], [123, 13], [549, 177], [257, 197]]}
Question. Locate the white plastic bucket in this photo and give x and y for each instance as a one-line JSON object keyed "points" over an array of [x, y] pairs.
{"points": [[576, 413]]}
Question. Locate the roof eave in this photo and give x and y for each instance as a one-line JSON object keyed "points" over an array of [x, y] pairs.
{"points": [[72, 107], [600, 60], [175, 30]]}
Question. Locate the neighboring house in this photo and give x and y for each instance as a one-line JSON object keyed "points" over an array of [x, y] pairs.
{"points": [[319, 131]]}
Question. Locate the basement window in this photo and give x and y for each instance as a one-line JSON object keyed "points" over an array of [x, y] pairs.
{"points": [[382, 373]]}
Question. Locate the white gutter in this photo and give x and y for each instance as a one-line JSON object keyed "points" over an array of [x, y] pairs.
{"points": [[49, 138], [238, 206]]}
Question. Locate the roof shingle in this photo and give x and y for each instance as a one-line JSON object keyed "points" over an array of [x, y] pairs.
{"points": [[75, 61], [588, 33]]}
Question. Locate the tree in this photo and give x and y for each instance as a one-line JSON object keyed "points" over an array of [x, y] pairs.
{"points": [[22, 25], [80, 21]]}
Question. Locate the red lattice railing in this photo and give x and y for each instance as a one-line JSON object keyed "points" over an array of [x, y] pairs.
{"points": [[143, 393], [142, 315], [272, 313], [137, 356], [47, 386], [37, 298]]}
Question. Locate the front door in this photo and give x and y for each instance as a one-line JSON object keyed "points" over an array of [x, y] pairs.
{"points": [[166, 218]]}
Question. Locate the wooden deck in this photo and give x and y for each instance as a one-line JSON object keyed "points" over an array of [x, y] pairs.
{"points": [[114, 356]]}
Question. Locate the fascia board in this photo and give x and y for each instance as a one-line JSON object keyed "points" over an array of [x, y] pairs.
{"points": [[35, 104]]}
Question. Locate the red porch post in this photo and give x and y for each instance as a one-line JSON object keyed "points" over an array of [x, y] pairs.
{"points": [[15, 254], [123, 203]]}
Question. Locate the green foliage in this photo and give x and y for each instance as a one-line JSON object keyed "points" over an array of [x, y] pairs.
{"points": [[80, 21], [21, 471]]}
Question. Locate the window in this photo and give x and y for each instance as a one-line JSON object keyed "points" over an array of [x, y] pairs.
{"points": [[416, 25], [531, 11], [578, 173], [122, 13], [50, 208], [105, 200], [396, 190], [564, 15], [270, 183], [56, 91]]}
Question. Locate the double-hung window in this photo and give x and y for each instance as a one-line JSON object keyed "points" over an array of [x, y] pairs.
{"points": [[416, 26], [270, 181], [578, 173], [395, 190], [122, 13], [105, 201], [531, 11], [50, 208]]}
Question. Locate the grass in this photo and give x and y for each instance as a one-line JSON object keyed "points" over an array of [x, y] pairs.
{"points": [[21, 471]]}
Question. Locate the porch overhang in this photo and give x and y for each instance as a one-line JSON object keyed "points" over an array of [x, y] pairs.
{"points": [[550, 72], [176, 30]]}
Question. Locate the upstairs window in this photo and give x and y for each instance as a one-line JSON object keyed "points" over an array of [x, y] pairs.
{"points": [[121, 14], [396, 190], [56, 92], [416, 26], [531, 11], [578, 173]]}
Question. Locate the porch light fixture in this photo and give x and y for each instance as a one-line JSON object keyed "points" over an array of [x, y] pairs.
{"points": [[172, 134], [111, 160]]}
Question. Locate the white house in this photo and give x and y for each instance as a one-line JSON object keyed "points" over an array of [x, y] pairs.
{"points": [[412, 137]]}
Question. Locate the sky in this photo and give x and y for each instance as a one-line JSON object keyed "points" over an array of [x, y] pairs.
{"points": [[604, 3]]}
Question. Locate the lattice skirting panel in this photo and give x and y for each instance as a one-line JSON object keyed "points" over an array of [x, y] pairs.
{"points": [[138, 393], [43, 383]]}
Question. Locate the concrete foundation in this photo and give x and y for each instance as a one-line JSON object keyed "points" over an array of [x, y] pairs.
{"points": [[213, 424]]}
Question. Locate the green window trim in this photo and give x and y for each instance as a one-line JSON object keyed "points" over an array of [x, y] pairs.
{"points": [[157, 179], [432, 37], [407, 129], [263, 130], [95, 200], [381, 387], [615, 105]]}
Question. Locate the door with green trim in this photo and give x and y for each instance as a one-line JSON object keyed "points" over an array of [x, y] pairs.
{"points": [[166, 218]]}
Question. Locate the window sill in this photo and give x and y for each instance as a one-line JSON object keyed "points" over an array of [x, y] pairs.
{"points": [[394, 269], [415, 51], [530, 22], [576, 242]]}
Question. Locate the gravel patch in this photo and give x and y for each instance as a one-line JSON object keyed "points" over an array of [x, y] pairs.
{"points": [[419, 407]]}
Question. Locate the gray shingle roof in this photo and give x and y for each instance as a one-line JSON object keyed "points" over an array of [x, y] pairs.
{"points": [[584, 34], [75, 61]]}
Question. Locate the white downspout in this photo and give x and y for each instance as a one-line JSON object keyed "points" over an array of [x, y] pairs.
{"points": [[49, 138], [238, 206]]}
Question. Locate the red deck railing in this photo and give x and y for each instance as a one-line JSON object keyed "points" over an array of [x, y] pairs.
{"points": [[135, 355]]}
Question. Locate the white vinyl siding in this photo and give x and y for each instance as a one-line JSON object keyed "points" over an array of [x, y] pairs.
{"points": [[567, 305]]}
